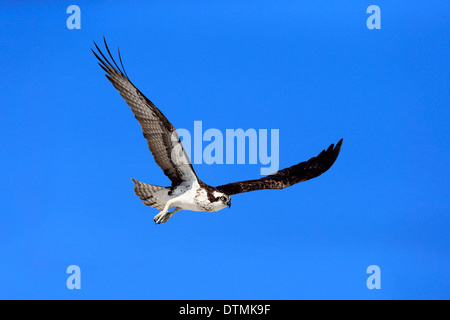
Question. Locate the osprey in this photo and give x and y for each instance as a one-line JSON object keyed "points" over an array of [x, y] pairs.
{"points": [[187, 191]]}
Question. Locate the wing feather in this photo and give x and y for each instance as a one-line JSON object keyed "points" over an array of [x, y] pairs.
{"points": [[162, 138], [303, 171]]}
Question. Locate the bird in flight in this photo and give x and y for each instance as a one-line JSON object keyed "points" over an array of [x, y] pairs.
{"points": [[187, 191]]}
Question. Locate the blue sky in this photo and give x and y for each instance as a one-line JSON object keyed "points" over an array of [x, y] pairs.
{"points": [[311, 69]]}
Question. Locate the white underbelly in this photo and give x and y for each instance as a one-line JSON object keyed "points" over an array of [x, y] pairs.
{"points": [[187, 198]]}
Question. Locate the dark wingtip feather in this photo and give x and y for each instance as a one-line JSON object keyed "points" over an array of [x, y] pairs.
{"points": [[333, 153], [337, 149], [121, 63], [105, 63], [112, 58], [104, 69]]}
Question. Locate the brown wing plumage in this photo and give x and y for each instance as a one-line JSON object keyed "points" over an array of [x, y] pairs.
{"points": [[162, 138], [303, 171]]}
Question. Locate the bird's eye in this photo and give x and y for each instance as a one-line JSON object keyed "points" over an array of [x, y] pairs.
{"points": [[222, 198]]}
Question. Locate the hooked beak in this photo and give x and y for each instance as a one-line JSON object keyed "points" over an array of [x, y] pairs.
{"points": [[229, 204]]}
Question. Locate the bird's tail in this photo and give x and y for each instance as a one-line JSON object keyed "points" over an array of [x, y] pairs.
{"points": [[147, 193]]}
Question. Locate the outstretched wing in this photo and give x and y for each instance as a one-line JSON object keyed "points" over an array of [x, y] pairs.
{"points": [[303, 171], [162, 138]]}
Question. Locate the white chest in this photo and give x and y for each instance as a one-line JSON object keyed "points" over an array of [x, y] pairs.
{"points": [[184, 197], [194, 198]]}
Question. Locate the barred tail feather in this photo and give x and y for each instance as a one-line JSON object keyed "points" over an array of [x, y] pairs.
{"points": [[146, 192]]}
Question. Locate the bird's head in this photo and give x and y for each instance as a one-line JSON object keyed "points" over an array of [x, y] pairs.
{"points": [[221, 200]]}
